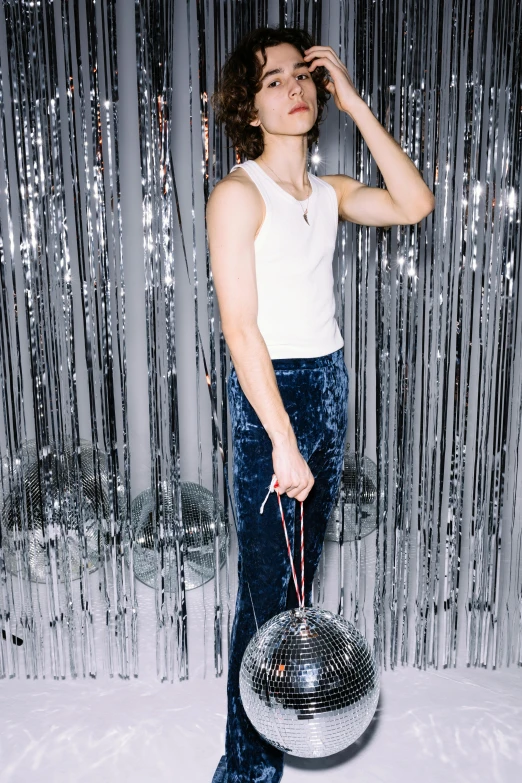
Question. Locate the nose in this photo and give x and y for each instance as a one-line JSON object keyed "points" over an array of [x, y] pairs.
{"points": [[296, 87]]}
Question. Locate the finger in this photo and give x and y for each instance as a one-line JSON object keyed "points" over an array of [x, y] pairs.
{"points": [[292, 488], [295, 491], [289, 484], [304, 491], [327, 63], [301, 497], [317, 49], [324, 54]]}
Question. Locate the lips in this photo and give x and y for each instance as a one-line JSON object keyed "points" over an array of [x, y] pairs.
{"points": [[299, 107]]}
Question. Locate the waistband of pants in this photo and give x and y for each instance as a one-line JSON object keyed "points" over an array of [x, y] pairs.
{"points": [[307, 363], [310, 363]]}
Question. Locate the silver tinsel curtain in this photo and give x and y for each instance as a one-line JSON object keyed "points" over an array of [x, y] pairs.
{"points": [[112, 358]]}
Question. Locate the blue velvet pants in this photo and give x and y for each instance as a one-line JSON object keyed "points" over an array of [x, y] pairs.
{"points": [[315, 396]]}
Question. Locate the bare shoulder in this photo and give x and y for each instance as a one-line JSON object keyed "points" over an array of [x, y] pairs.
{"points": [[341, 183], [236, 195]]}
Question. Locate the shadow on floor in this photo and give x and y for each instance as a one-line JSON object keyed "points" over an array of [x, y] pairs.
{"points": [[336, 759]]}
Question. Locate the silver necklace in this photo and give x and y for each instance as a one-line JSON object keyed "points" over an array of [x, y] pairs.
{"points": [[305, 212]]}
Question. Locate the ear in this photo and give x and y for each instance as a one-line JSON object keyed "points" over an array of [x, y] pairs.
{"points": [[255, 123]]}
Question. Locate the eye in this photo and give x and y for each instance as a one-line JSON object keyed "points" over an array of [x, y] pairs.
{"points": [[277, 81]]}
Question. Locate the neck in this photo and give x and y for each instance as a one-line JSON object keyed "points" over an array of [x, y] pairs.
{"points": [[288, 160]]}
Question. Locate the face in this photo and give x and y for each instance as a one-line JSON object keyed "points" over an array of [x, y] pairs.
{"points": [[286, 83]]}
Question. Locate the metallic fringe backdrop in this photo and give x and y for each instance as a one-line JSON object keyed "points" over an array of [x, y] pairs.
{"points": [[430, 314], [60, 211]]}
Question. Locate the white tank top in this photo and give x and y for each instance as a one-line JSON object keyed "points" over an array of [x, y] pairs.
{"points": [[295, 288]]}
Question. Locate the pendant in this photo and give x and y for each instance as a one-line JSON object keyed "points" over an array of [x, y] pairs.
{"points": [[305, 217]]}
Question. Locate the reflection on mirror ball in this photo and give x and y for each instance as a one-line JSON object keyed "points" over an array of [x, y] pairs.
{"points": [[197, 507], [24, 502], [367, 522], [309, 682]]}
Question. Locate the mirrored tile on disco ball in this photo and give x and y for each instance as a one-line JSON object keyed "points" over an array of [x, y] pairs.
{"points": [[23, 515], [352, 481], [197, 507], [309, 682]]}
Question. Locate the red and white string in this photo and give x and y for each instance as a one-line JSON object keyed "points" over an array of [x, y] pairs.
{"points": [[300, 593]]}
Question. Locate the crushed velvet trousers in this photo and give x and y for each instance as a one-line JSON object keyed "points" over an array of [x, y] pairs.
{"points": [[315, 395]]}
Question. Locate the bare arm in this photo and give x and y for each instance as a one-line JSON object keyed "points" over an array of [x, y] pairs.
{"points": [[233, 216], [406, 199]]}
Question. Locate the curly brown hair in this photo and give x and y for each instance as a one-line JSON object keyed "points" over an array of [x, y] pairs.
{"points": [[240, 80]]}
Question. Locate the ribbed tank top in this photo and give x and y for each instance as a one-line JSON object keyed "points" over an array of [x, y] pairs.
{"points": [[294, 274]]}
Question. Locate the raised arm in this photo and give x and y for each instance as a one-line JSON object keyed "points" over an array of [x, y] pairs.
{"points": [[406, 199], [234, 214]]}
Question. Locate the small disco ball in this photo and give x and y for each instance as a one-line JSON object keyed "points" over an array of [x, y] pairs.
{"points": [[368, 509], [309, 682], [95, 506], [197, 510]]}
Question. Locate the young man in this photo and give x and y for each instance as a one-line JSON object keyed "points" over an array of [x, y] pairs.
{"points": [[272, 228]]}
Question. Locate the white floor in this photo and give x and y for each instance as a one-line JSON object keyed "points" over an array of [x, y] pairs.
{"points": [[430, 727], [446, 726]]}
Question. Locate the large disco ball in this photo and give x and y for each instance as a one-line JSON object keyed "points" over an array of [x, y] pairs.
{"points": [[368, 509], [29, 532], [197, 509], [309, 683]]}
